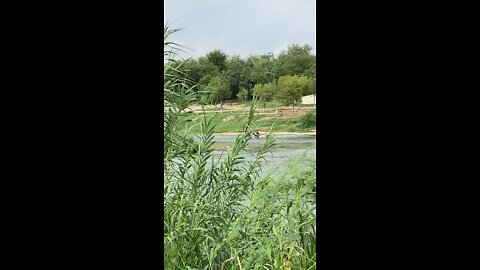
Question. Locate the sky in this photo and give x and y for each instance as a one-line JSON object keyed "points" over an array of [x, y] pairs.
{"points": [[240, 27]]}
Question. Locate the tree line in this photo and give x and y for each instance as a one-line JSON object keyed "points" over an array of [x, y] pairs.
{"points": [[286, 77]]}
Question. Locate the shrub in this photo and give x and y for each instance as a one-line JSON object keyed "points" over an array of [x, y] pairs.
{"points": [[243, 95], [309, 120]]}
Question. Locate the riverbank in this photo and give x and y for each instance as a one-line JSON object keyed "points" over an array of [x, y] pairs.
{"points": [[233, 121]]}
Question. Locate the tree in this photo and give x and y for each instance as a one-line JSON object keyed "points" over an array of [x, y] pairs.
{"points": [[311, 72], [243, 94], [218, 58], [290, 90], [237, 74], [265, 92], [262, 69], [193, 70], [295, 61], [208, 71], [218, 90]]}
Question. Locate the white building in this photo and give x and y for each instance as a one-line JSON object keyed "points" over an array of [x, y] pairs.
{"points": [[309, 99]]}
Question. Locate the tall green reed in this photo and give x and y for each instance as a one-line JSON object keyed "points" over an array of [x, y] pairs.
{"points": [[218, 213]]}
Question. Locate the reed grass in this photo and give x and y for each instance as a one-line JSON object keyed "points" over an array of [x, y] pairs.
{"points": [[219, 213]]}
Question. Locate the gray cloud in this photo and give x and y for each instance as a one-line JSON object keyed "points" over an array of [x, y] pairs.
{"points": [[242, 27]]}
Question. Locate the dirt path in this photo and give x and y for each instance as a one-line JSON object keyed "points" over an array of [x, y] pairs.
{"points": [[279, 111]]}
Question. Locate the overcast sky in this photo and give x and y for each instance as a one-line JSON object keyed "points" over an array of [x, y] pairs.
{"points": [[242, 27]]}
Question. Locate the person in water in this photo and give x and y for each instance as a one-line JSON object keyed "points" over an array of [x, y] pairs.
{"points": [[256, 134]]}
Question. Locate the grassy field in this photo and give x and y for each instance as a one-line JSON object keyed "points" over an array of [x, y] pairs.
{"points": [[232, 121]]}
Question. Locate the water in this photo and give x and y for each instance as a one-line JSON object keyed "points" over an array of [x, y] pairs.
{"points": [[287, 148]]}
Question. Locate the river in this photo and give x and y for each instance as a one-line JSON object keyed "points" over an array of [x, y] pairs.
{"points": [[299, 147]]}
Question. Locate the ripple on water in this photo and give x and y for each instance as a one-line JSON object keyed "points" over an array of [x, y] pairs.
{"points": [[287, 148]]}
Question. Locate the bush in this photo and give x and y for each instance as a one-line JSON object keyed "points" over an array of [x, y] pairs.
{"points": [[309, 120], [243, 95]]}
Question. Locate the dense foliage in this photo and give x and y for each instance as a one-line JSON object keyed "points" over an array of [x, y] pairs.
{"points": [[309, 120], [265, 92], [244, 74], [218, 213]]}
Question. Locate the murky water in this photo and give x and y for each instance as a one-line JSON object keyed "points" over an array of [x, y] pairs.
{"points": [[287, 148]]}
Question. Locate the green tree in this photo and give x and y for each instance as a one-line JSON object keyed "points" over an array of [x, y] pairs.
{"points": [[295, 61], [218, 90], [237, 74], [262, 69], [208, 71], [311, 72], [192, 69], [265, 92], [290, 90], [218, 58], [243, 94]]}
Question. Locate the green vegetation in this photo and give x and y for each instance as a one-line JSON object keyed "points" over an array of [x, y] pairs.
{"points": [[238, 78], [243, 94], [218, 90], [232, 121], [219, 214], [266, 92], [309, 120], [271, 104]]}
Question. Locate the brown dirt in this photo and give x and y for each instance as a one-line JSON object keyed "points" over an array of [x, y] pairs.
{"points": [[280, 111]]}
